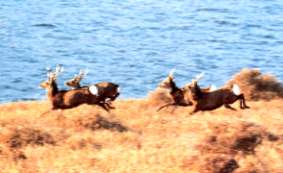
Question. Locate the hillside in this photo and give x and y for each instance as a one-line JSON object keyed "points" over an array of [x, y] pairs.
{"points": [[134, 138]]}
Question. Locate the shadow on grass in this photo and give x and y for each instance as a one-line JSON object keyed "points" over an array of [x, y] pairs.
{"points": [[100, 122]]}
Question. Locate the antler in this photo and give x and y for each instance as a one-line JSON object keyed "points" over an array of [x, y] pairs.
{"points": [[75, 82], [199, 76], [171, 73], [59, 69], [80, 76], [52, 75], [194, 81], [166, 82]]}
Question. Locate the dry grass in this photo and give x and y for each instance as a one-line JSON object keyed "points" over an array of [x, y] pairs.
{"points": [[258, 86], [134, 138]]}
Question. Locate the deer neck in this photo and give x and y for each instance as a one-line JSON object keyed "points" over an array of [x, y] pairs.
{"points": [[173, 86], [53, 90], [78, 85], [198, 91]]}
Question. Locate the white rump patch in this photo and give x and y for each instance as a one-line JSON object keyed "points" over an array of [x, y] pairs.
{"points": [[236, 89], [93, 90], [213, 88], [118, 89]]}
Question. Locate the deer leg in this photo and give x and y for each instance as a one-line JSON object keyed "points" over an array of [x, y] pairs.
{"points": [[243, 104], [164, 106], [103, 106], [229, 107], [109, 104], [195, 109], [114, 97], [240, 98]]}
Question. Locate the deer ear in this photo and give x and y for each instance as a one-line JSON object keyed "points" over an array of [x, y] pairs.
{"points": [[93, 90]]}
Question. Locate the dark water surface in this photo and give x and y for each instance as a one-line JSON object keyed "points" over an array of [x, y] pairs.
{"points": [[136, 42]]}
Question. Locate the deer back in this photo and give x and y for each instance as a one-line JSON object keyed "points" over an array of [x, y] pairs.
{"points": [[107, 89]]}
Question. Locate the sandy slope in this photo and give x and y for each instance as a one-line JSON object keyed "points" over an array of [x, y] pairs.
{"points": [[134, 138]]}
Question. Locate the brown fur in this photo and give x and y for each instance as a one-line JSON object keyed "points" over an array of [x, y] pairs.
{"points": [[213, 100], [176, 93], [179, 95], [106, 90], [75, 82], [64, 99]]}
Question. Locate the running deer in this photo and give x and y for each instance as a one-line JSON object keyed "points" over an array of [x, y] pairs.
{"points": [[175, 92], [212, 100], [64, 99], [179, 95], [107, 91], [75, 82]]}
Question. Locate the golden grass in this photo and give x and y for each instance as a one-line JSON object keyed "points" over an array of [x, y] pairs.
{"points": [[75, 140], [258, 86], [134, 138]]}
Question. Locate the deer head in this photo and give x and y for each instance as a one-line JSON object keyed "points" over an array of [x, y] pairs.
{"points": [[169, 81], [194, 90], [50, 84], [75, 82]]}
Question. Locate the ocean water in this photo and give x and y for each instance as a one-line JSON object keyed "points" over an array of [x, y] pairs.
{"points": [[135, 43]]}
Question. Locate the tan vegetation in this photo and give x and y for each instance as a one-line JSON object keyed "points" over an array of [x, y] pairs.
{"points": [[258, 86], [135, 138]]}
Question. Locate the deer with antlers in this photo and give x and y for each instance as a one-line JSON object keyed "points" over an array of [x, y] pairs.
{"points": [[107, 91], [178, 95], [64, 99], [212, 100]]}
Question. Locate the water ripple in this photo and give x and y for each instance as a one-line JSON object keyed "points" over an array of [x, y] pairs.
{"points": [[44, 25], [135, 43]]}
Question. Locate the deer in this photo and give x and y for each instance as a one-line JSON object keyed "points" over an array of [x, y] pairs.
{"points": [[203, 101], [74, 83], [107, 91], [66, 99], [179, 95]]}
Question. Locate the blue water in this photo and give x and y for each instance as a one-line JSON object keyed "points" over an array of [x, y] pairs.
{"points": [[135, 42]]}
